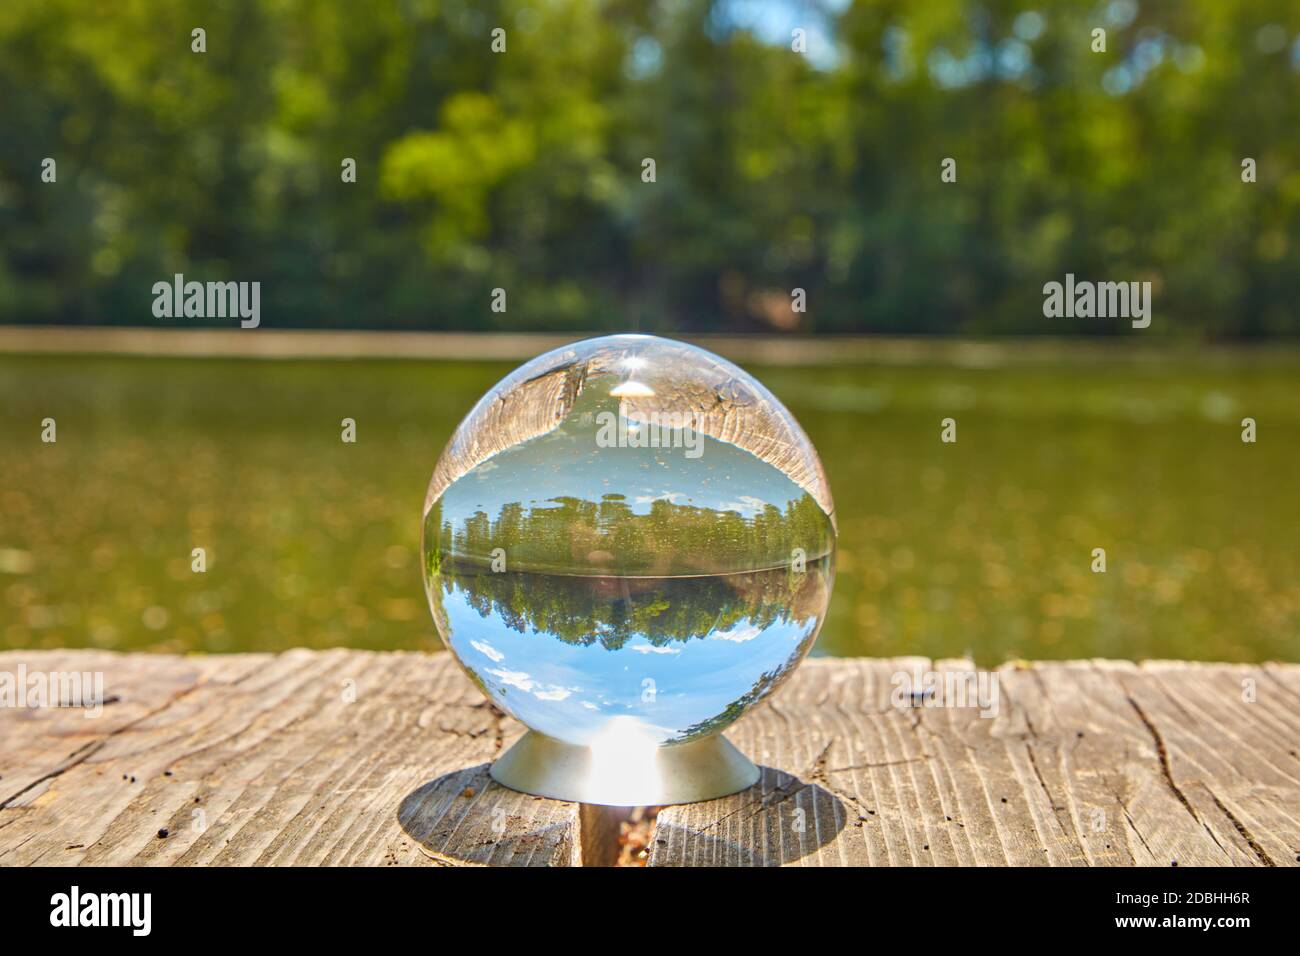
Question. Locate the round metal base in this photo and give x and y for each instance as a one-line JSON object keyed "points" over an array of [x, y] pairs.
{"points": [[628, 776]]}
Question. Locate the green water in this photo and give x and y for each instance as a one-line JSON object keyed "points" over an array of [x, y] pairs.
{"points": [[983, 546]]}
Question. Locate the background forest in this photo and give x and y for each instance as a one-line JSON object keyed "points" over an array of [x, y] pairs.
{"points": [[774, 169]]}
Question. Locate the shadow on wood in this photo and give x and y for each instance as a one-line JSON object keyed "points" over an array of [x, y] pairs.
{"points": [[466, 818], [779, 820]]}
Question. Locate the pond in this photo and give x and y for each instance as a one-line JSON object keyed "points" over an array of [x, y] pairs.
{"points": [[985, 546]]}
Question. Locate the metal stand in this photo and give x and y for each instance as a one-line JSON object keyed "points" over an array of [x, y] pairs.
{"points": [[702, 769]]}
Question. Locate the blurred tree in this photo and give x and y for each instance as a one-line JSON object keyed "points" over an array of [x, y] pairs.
{"points": [[775, 169]]}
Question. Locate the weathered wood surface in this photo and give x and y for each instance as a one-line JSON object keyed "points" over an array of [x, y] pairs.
{"points": [[303, 758], [1100, 763], [349, 757]]}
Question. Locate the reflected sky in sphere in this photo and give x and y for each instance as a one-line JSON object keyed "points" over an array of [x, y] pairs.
{"points": [[628, 532], [676, 685]]}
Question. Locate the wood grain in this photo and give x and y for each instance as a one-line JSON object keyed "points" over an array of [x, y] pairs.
{"points": [[351, 757], [303, 758], [1086, 763]]}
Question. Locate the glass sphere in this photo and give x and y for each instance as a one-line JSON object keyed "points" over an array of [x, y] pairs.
{"points": [[631, 533]]}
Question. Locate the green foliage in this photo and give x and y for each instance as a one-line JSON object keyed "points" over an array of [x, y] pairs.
{"points": [[775, 170], [611, 611], [612, 538]]}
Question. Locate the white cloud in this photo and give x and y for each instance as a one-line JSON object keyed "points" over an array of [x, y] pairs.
{"points": [[552, 693], [518, 679], [740, 633], [487, 650], [525, 682], [673, 497]]}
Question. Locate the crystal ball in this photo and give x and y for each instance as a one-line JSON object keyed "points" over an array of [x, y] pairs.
{"points": [[628, 532]]}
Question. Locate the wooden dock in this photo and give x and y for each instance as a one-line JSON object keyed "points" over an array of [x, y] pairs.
{"points": [[350, 757]]}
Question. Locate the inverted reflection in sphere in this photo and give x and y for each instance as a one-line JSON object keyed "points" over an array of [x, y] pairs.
{"points": [[628, 535]]}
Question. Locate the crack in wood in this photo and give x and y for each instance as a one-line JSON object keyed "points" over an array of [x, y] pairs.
{"points": [[1163, 754], [287, 775], [1258, 850]]}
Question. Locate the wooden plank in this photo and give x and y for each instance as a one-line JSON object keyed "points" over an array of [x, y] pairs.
{"points": [[350, 757], [1085, 763], [37, 744], [303, 758], [1228, 735]]}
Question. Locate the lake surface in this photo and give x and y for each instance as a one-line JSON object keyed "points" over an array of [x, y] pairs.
{"points": [[984, 546]]}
